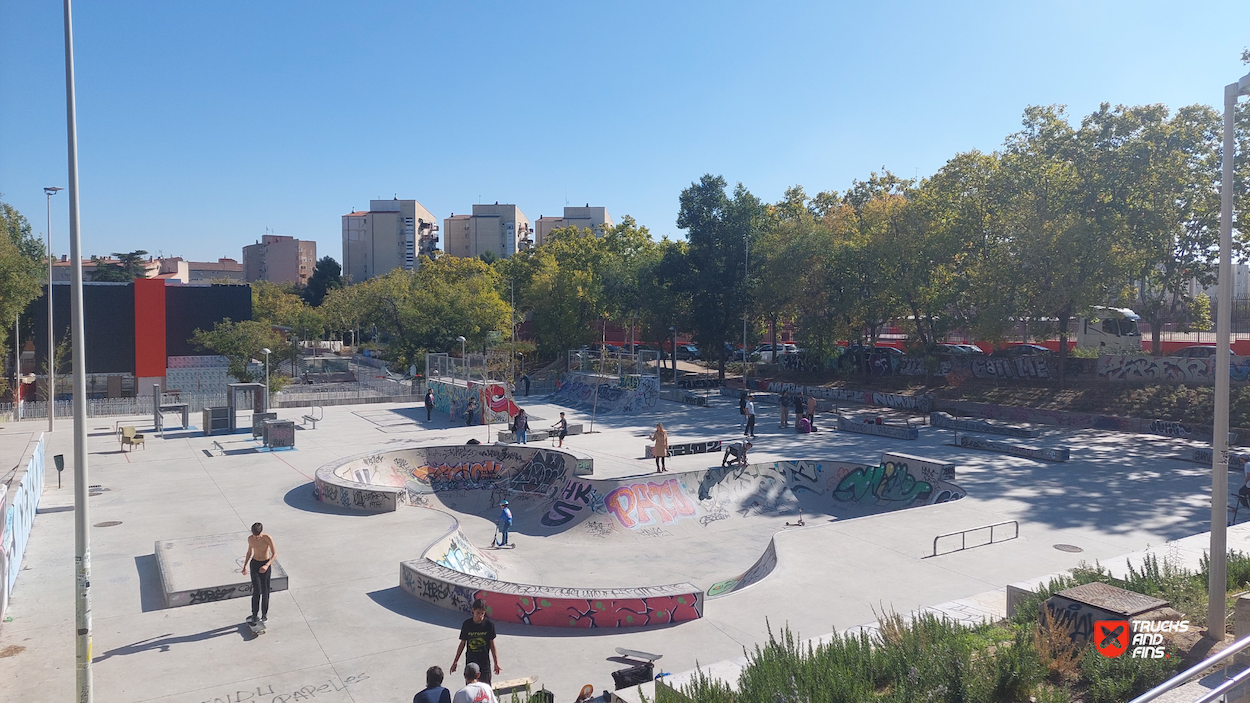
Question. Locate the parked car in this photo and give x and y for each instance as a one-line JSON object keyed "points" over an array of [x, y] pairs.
{"points": [[687, 352], [853, 355], [961, 349], [766, 353], [1022, 350], [1200, 351]]}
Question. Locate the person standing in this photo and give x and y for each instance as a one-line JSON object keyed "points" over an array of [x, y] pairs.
{"points": [[260, 556], [434, 691], [785, 408], [660, 450], [429, 404], [505, 522], [563, 426], [477, 643], [525, 380], [742, 409], [470, 411], [475, 691], [811, 409], [750, 428], [522, 424], [798, 406]]}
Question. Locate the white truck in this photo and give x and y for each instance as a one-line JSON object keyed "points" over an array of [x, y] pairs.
{"points": [[1110, 331]]}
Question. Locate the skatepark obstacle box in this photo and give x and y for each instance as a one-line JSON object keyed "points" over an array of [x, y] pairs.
{"points": [[707, 509]]}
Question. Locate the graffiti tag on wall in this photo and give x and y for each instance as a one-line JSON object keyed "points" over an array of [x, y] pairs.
{"points": [[644, 503]]}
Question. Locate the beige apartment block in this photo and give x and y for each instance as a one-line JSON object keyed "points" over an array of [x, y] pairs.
{"points": [[594, 219], [391, 234], [279, 259], [501, 229]]}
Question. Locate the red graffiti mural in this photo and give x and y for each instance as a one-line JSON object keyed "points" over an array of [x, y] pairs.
{"points": [[643, 503], [581, 612], [463, 476], [496, 398]]}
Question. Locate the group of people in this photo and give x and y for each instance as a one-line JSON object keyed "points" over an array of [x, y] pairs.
{"points": [[804, 411], [477, 644], [520, 424]]}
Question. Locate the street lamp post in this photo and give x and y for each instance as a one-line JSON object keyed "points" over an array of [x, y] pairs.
{"points": [[464, 360], [746, 251], [1218, 574], [673, 329], [51, 191], [267, 353]]}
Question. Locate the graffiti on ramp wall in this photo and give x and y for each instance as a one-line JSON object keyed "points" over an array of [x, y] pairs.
{"points": [[604, 395], [494, 401]]}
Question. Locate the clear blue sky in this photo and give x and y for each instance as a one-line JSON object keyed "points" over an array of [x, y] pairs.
{"points": [[201, 124]]}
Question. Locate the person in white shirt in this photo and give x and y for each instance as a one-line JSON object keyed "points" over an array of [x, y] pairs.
{"points": [[474, 691], [750, 428]]}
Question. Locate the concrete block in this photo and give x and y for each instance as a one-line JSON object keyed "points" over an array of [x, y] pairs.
{"points": [[1015, 598], [207, 569], [1241, 627], [1045, 454], [940, 419], [710, 446], [894, 431], [944, 471]]}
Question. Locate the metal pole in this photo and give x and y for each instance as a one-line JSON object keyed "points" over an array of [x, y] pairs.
{"points": [[82, 537], [1218, 584], [266, 380], [746, 251], [17, 367], [51, 191]]}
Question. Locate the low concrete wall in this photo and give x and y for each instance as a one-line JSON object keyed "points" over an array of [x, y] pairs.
{"points": [[684, 397], [712, 445], [1204, 456], [930, 469], [1061, 418], [552, 606], [898, 401], [19, 502], [892, 431], [941, 419], [1003, 448]]}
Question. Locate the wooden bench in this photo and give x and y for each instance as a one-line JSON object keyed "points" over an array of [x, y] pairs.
{"points": [[521, 685]]}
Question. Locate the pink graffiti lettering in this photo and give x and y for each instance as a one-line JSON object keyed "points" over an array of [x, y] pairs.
{"points": [[643, 503]]}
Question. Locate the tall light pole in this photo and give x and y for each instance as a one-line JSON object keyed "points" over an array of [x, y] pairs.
{"points": [[51, 191], [746, 251], [82, 536], [464, 360], [267, 353], [673, 329], [1218, 584]]}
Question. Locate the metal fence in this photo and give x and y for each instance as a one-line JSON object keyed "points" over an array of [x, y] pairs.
{"points": [[645, 363]]}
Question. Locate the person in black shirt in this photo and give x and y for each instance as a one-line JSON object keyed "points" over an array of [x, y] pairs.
{"points": [[477, 642], [434, 691]]}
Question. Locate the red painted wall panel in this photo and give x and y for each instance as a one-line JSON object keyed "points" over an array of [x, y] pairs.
{"points": [[150, 355]]}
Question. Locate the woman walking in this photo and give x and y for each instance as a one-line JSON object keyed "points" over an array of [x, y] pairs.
{"points": [[660, 450]]}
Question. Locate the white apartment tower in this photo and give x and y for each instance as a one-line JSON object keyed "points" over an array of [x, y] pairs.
{"points": [[594, 219], [391, 234], [502, 229]]}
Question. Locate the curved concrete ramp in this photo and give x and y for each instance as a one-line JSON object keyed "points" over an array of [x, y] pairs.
{"points": [[551, 606], [706, 529], [604, 395]]}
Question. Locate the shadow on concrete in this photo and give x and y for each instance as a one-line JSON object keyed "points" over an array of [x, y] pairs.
{"points": [[163, 643], [151, 592], [398, 601], [302, 497]]}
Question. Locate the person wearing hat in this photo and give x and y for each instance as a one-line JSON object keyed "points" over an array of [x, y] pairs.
{"points": [[474, 691], [505, 523]]}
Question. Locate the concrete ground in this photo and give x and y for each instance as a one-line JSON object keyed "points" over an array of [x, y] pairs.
{"points": [[345, 631]]}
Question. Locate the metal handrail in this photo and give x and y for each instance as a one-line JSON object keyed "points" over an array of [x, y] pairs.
{"points": [[1198, 668], [964, 536]]}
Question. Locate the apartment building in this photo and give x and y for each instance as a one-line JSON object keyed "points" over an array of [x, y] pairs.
{"points": [[591, 218], [391, 234], [501, 229], [279, 259]]}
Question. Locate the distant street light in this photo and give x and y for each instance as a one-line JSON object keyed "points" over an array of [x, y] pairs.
{"points": [[673, 329], [1218, 573], [51, 191], [464, 361], [267, 353]]}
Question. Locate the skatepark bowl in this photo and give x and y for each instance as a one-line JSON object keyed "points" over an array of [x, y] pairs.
{"points": [[605, 543]]}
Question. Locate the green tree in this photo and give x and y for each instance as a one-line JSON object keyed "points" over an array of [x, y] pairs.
{"points": [[718, 230], [130, 265], [562, 284], [240, 342], [327, 275], [21, 273]]}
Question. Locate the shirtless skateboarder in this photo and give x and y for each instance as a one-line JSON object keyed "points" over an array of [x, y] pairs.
{"points": [[260, 555]]}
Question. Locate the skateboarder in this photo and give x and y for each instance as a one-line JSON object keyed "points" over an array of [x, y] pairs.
{"points": [[260, 554], [563, 425], [522, 425], [475, 691], [505, 524], [739, 451], [429, 404], [477, 643], [434, 691]]}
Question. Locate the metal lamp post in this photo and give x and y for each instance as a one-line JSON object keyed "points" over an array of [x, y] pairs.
{"points": [[464, 360], [1218, 584], [673, 329], [49, 192], [267, 353]]}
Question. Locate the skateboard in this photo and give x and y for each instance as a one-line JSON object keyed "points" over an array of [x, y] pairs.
{"points": [[257, 628], [638, 655]]}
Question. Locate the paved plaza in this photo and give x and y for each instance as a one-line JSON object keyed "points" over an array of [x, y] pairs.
{"points": [[344, 629]]}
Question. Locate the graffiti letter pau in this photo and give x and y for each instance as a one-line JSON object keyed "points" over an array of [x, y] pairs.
{"points": [[643, 503]]}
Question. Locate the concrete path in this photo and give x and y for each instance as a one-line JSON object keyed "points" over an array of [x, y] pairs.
{"points": [[345, 631]]}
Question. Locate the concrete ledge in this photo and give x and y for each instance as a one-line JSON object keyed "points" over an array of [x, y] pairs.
{"points": [[893, 431], [1236, 461], [207, 569], [941, 419], [683, 396], [710, 446], [1014, 450], [552, 606]]}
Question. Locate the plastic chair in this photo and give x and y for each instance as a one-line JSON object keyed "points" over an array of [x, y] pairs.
{"points": [[131, 438]]}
